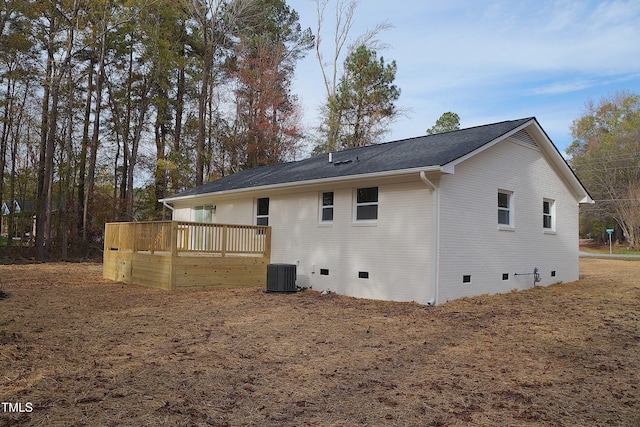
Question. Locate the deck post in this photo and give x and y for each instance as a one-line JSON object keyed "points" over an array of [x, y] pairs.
{"points": [[107, 237], [267, 243], [225, 230], [135, 236], [153, 235], [174, 254], [174, 238]]}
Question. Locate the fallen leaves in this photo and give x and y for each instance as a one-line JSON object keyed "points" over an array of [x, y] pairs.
{"points": [[86, 351]]}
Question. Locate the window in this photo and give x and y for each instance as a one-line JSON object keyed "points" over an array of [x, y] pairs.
{"points": [[505, 217], [548, 220], [366, 204], [262, 211], [326, 207], [203, 213]]}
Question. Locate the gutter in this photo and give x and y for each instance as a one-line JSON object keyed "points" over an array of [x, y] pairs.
{"points": [[309, 183], [168, 206], [435, 238]]}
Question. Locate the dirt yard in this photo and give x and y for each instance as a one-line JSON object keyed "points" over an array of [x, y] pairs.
{"points": [[76, 350]]}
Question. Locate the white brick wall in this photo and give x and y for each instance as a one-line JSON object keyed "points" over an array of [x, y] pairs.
{"points": [[472, 244], [397, 251]]}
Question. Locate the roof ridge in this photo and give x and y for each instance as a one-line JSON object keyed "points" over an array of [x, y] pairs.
{"points": [[524, 119]]}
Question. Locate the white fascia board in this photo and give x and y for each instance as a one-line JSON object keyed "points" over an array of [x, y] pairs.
{"points": [[560, 164], [308, 183]]}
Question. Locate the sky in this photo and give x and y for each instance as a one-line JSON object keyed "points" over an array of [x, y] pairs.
{"points": [[490, 60]]}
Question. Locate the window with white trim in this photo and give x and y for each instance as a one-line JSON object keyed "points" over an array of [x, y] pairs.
{"points": [[262, 211], [366, 208], [203, 213], [326, 207], [505, 208], [548, 214]]}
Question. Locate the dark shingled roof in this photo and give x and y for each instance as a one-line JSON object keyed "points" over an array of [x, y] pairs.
{"points": [[422, 151]]}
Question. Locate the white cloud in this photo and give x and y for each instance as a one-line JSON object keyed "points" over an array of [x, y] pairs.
{"points": [[510, 36], [562, 87]]}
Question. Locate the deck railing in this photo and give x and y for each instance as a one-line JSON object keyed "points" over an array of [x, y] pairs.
{"points": [[182, 237]]}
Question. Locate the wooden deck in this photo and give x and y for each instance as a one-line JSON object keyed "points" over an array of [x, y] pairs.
{"points": [[176, 255]]}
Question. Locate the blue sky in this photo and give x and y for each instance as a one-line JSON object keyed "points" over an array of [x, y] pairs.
{"points": [[491, 60]]}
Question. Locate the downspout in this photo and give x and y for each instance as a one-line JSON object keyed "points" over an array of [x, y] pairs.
{"points": [[168, 206], [435, 227]]}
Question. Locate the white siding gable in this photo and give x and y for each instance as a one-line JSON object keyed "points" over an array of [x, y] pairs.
{"points": [[472, 243]]}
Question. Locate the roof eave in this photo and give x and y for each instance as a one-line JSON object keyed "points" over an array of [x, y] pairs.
{"points": [[307, 183], [561, 165], [550, 151]]}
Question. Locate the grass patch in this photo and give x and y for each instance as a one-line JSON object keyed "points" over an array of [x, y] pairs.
{"points": [[597, 247], [605, 250]]}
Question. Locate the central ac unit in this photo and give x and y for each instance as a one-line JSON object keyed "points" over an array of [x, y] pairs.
{"points": [[281, 278]]}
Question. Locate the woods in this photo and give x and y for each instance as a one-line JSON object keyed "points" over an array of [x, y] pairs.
{"points": [[109, 105], [605, 155]]}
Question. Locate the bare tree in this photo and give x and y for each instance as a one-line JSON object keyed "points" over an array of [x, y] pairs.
{"points": [[215, 22], [331, 68], [344, 18]]}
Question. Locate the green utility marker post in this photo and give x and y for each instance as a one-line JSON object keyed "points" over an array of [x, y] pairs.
{"points": [[609, 232]]}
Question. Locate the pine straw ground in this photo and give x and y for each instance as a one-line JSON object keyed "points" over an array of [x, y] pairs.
{"points": [[86, 352]]}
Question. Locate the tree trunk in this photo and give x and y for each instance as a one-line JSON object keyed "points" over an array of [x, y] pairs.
{"points": [[82, 160], [202, 109], [160, 173], [49, 126], [3, 144], [134, 147], [41, 210], [14, 157], [93, 154]]}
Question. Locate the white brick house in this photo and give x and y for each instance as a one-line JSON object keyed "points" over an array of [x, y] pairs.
{"points": [[426, 219]]}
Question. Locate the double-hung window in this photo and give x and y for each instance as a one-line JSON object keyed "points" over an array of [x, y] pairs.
{"points": [[262, 211], [326, 207], [203, 213], [548, 215], [505, 209], [366, 208]]}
